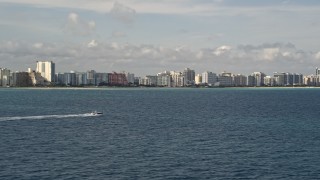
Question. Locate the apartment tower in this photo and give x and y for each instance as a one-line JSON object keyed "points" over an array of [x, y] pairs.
{"points": [[47, 70]]}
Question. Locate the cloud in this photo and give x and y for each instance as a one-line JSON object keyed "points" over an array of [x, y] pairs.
{"points": [[270, 53], [92, 44], [123, 13], [150, 59], [38, 45], [77, 26], [221, 50]]}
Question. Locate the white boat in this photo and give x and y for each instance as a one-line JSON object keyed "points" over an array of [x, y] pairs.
{"points": [[96, 113]]}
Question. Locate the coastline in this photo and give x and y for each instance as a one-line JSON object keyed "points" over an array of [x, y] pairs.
{"points": [[143, 87]]}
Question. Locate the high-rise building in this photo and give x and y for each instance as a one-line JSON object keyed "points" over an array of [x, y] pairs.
{"points": [[198, 79], [164, 79], [240, 80], [91, 77], [225, 79], [209, 78], [117, 79], [4, 77], [47, 70], [189, 76], [177, 79], [130, 77], [259, 78]]}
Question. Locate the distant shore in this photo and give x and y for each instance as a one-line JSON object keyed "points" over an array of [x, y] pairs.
{"points": [[145, 87]]}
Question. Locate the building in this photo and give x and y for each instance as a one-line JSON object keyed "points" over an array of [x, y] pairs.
{"points": [[177, 79], [91, 77], [117, 79], [288, 79], [225, 79], [4, 77], [209, 78], [269, 81], [130, 77], [81, 78], [20, 79], [101, 79], [164, 79], [189, 76], [47, 70], [198, 79], [240, 80], [149, 80], [70, 79], [251, 81], [258, 78], [36, 78]]}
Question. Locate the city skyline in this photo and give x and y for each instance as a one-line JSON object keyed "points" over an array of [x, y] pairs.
{"points": [[45, 75], [146, 37]]}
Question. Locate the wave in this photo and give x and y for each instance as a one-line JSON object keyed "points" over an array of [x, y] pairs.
{"points": [[45, 117]]}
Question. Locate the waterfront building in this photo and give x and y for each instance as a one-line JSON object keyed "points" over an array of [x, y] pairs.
{"points": [[117, 79], [91, 77], [198, 79], [164, 79], [251, 81], [101, 79], [59, 78], [311, 80], [130, 77], [81, 78], [4, 77], [240, 80], [288, 79], [259, 78], [70, 79], [189, 76], [47, 70], [297, 79], [225, 79], [269, 81], [20, 79], [36, 78], [209, 78], [177, 79], [280, 78], [149, 80]]}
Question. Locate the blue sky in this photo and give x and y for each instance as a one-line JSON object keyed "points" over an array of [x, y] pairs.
{"points": [[146, 37]]}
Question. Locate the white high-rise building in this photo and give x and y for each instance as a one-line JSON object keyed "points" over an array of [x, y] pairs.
{"points": [[198, 79], [209, 78], [47, 70]]}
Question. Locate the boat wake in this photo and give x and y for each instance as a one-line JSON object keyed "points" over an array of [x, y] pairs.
{"points": [[45, 117]]}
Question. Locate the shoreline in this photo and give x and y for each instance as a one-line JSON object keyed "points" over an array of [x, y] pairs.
{"points": [[119, 88]]}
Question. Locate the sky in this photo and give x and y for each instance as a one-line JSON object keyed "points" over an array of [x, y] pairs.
{"points": [[146, 37]]}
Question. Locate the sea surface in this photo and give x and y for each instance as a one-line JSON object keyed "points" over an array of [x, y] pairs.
{"points": [[160, 133]]}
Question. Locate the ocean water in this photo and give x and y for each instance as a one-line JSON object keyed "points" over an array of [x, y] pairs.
{"points": [[227, 133]]}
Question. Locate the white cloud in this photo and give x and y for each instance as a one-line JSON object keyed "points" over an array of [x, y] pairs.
{"points": [[222, 50], [92, 44], [38, 45], [77, 26], [73, 18], [270, 53]]}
